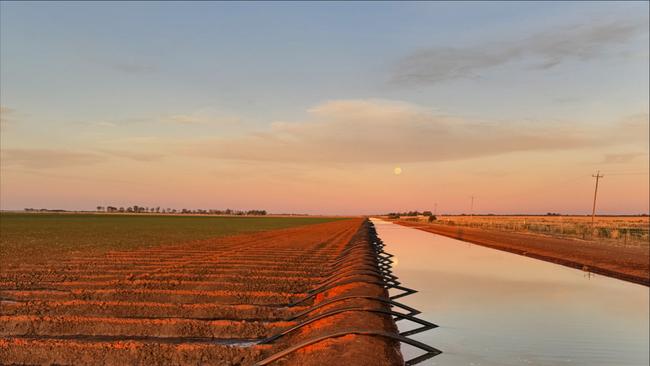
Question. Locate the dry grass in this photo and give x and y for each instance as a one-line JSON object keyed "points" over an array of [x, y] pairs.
{"points": [[619, 230]]}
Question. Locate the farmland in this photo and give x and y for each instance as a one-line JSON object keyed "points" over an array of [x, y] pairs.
{"points": [[23, 235], [101, 289]]}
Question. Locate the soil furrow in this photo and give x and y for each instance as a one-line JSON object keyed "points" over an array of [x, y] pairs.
{"points": [[178, 296], [30, 325], [200, 302], [147, 309], [119, 353]]}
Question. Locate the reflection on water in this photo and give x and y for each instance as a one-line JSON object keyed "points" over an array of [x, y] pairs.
{"points": [[498, 308]]}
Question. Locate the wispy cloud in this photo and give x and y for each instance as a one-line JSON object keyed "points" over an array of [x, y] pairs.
{"points": [[53, 174], [380, 131], [51, 158], [545, 50], [622, 158], [113, 123], [6, 114], [631, 130], [205, 116], [98, 124], [48, 158], [636, 125], [133, 155]]}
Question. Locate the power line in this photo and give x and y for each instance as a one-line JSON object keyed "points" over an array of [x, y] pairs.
{"points": [[631, 173]]}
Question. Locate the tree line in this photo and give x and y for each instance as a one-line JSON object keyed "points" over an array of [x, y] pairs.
{"points": [[411, 213], [396, 215], [143, 209]]}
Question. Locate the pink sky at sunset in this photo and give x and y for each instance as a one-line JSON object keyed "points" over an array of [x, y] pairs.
{"points": [[246, 113]]}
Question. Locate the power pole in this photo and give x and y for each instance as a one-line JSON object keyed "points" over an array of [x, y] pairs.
{"points": [[471, 207], [593, 210]]}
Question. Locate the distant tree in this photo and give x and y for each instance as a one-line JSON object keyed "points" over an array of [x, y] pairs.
{"points": [[432, 218], [157, 209], [100, 208], [256, 212], [121, 209], [130, 209], [427, 213]]}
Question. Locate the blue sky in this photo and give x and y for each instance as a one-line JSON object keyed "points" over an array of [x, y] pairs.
{"points": [[77, 77], [270, 58]]}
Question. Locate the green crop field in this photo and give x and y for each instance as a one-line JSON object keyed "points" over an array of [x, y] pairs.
{"points": [[25, 234]]}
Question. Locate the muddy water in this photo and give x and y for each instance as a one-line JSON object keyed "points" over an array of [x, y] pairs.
{"points": [[498, 308]]}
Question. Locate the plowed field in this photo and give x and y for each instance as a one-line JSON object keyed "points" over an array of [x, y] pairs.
{"points": [[201, 302]]}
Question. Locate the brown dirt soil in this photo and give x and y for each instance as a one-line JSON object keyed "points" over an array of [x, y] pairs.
{"points": [[625, 263], [202, 302]]}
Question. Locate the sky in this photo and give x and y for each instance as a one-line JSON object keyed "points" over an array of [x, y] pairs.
{"points": [[312, 107]]}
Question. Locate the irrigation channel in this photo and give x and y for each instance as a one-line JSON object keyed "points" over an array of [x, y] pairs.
{"points": [[499, 308]]}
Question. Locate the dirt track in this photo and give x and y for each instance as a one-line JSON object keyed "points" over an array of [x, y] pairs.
{"points": [[626, 263], [186, 304]]}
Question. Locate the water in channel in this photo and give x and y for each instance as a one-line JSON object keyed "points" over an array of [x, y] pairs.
{"points": [[498, 308]]}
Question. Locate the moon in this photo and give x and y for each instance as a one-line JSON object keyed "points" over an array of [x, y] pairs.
{"points": [[397, 170]]}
